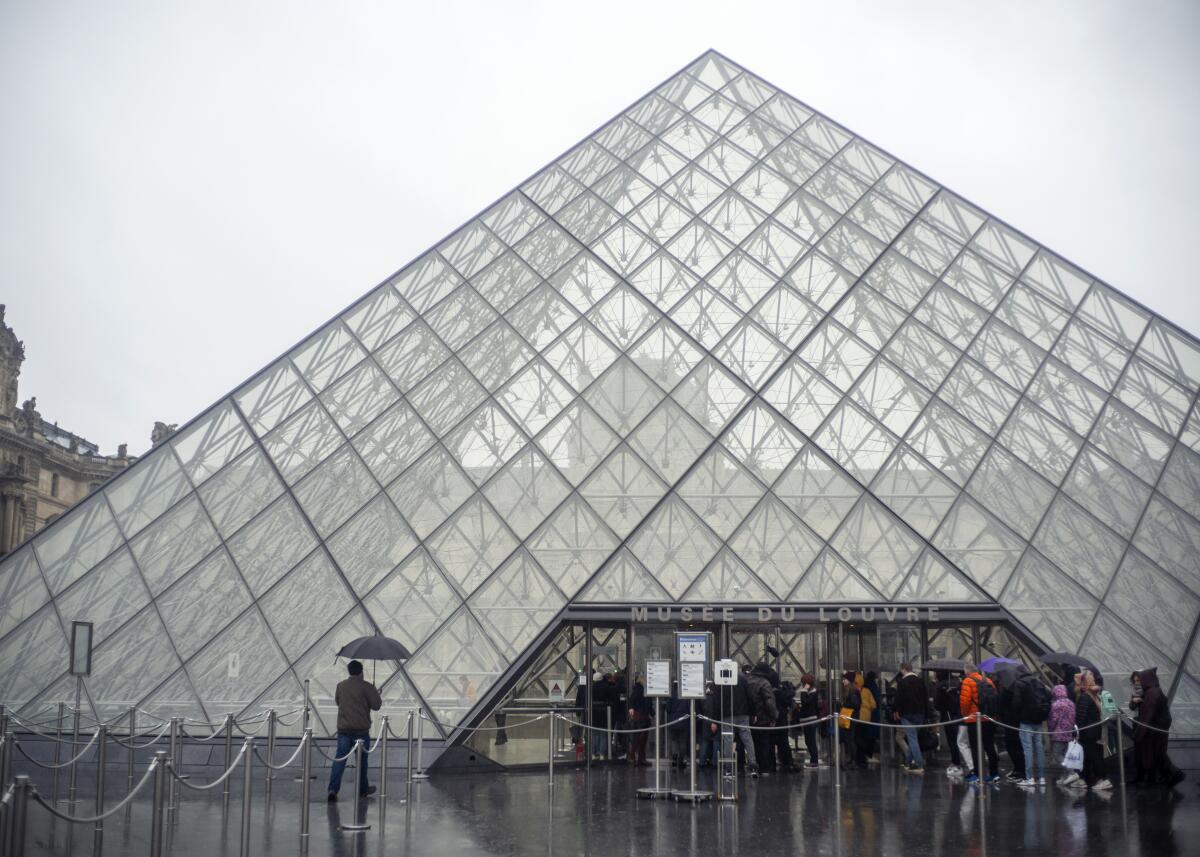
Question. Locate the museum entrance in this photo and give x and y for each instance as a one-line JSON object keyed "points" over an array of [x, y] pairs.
{"points": [[585, 671]]}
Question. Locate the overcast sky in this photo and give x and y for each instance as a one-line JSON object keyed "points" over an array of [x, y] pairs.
{"points": [[186, 190]]}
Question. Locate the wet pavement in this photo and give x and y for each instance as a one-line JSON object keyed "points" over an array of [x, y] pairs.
{"points": [[876, 812]]}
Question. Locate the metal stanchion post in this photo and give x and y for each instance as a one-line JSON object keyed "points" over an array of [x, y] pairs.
{"points": [[173, 751], [305, 785], [271, 720], [307, 708], [73, 773], [420, 774], [383, 736], [551, 744], [247, 789], [658, 789], [608, 730], [228, 750], [1120, 751], [979, 754], [129, 762], [693, 794], [160, 793], [20, 812], [408, 750], [101, 759], [57, 751], [360, 759]]}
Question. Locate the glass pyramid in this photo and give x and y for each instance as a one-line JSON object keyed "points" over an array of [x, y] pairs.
{"points": [[723, 350]]}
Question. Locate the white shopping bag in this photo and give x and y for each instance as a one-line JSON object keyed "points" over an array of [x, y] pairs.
{"points": [[1073, 760]]}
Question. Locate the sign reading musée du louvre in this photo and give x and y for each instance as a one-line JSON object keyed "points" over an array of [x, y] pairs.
{"points": [[787, 613]]}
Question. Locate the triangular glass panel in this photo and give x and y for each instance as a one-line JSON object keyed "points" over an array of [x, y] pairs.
{"points": [[776, 545], [572, 544], [831, 579], [516, 603], [720, 491], [727, 579], [624, 578], [817, 490], [526, 491], [455, 667], [622, 490], [879, 547], [932, 579], [471, 544], [673, 543], [413, 601]]}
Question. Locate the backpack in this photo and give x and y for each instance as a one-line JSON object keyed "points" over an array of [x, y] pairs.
{"points": [[948, 696], [988, 698], [1039, 701], [1108, 705]]}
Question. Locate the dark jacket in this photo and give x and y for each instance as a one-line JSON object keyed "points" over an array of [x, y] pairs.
{"points": [[356, 698], [675, 709], [1087, 717], [910, 695], [948, 690], [762, 699], [1024, 692], [742, 707], [638, 702], [1154, 709], [807, 703], [851, 698]]}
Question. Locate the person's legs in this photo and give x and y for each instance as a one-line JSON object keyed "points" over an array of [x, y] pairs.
{"points": [[763, 751], [913, 752], [344, 743], [963, 742], [362, 762], [862, 742], [1093, 762], [779, 738], [810, 742], [989, 746], [1035, 750], [741, 724], [1016, 750]]}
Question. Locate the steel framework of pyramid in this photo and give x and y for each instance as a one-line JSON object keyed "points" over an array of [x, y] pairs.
{"points": [[722, 351]]}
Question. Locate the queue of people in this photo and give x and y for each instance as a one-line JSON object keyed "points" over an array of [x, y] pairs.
{"points": [[1015, 708]]}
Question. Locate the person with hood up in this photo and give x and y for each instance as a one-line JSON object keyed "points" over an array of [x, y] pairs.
{"points": [[978, 694], [1087, 724], [1150, 733], [1032, 703], [855, 751], [871, 684], [1061, 726], [762, 699]]}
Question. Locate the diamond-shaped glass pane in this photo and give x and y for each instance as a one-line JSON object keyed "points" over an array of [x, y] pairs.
{"points": [[674, 544]]}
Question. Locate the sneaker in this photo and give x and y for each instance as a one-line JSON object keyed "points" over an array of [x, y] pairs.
{"points": [[1013, 777], [1069, 779], [1041, 781], [916, 769], [1028, 782], [811, 765], [972, 779], [1103, 785], [993, 779], [1077, 783], [332, 797], [954, 771], [370, 791], [753, 772]]}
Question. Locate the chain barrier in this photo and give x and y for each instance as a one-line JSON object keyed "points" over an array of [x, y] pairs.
{"points": [[113, 810], [66, 764], [237, 760]]}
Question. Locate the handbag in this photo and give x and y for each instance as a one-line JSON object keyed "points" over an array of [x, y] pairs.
{"points": [[844, 717], [1073, 760]]}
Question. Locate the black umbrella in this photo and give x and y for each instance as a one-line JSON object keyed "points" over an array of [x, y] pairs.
{"points": [[1066, 659], [375, 647], [948, 664], [1009, 673]]}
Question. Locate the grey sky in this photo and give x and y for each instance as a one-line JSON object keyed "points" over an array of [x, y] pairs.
{"points": [[189, 189]]}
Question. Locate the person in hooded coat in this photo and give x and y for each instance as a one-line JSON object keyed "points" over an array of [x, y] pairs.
{"points": [[762, 699], [856, 756], [1150, 733]]}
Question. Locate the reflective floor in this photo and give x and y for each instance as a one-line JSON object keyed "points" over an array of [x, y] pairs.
{"points": [[880, 813]]}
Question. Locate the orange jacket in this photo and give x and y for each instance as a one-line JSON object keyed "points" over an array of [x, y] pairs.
{"points": [[968, 697]]}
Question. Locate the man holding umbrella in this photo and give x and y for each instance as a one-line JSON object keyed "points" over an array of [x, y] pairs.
{"points": [[356, 698]]}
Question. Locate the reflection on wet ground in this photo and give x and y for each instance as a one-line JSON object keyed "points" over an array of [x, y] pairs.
{"points": [[874, 813]]}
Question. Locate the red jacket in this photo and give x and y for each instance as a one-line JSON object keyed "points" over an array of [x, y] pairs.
{"points": [[968, 697]]}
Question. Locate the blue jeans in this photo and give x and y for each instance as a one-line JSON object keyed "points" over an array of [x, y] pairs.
{"points": [[345, 742], [913, 753], [1035, 751]]}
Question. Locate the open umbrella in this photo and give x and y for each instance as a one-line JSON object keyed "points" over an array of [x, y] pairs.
{"points": [[1066, 659], [375, 647], [1007, 674], [947, 664], [989, 666]]}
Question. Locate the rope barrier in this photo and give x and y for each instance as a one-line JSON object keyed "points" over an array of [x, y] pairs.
{"points": [[812, 722], [45, 735], [92, 819], [649, 728], [1135, 723], [291, 759], [66, 764], [132, 746], [481, 728], [219, 731], [349, 753], [237, 760]]}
